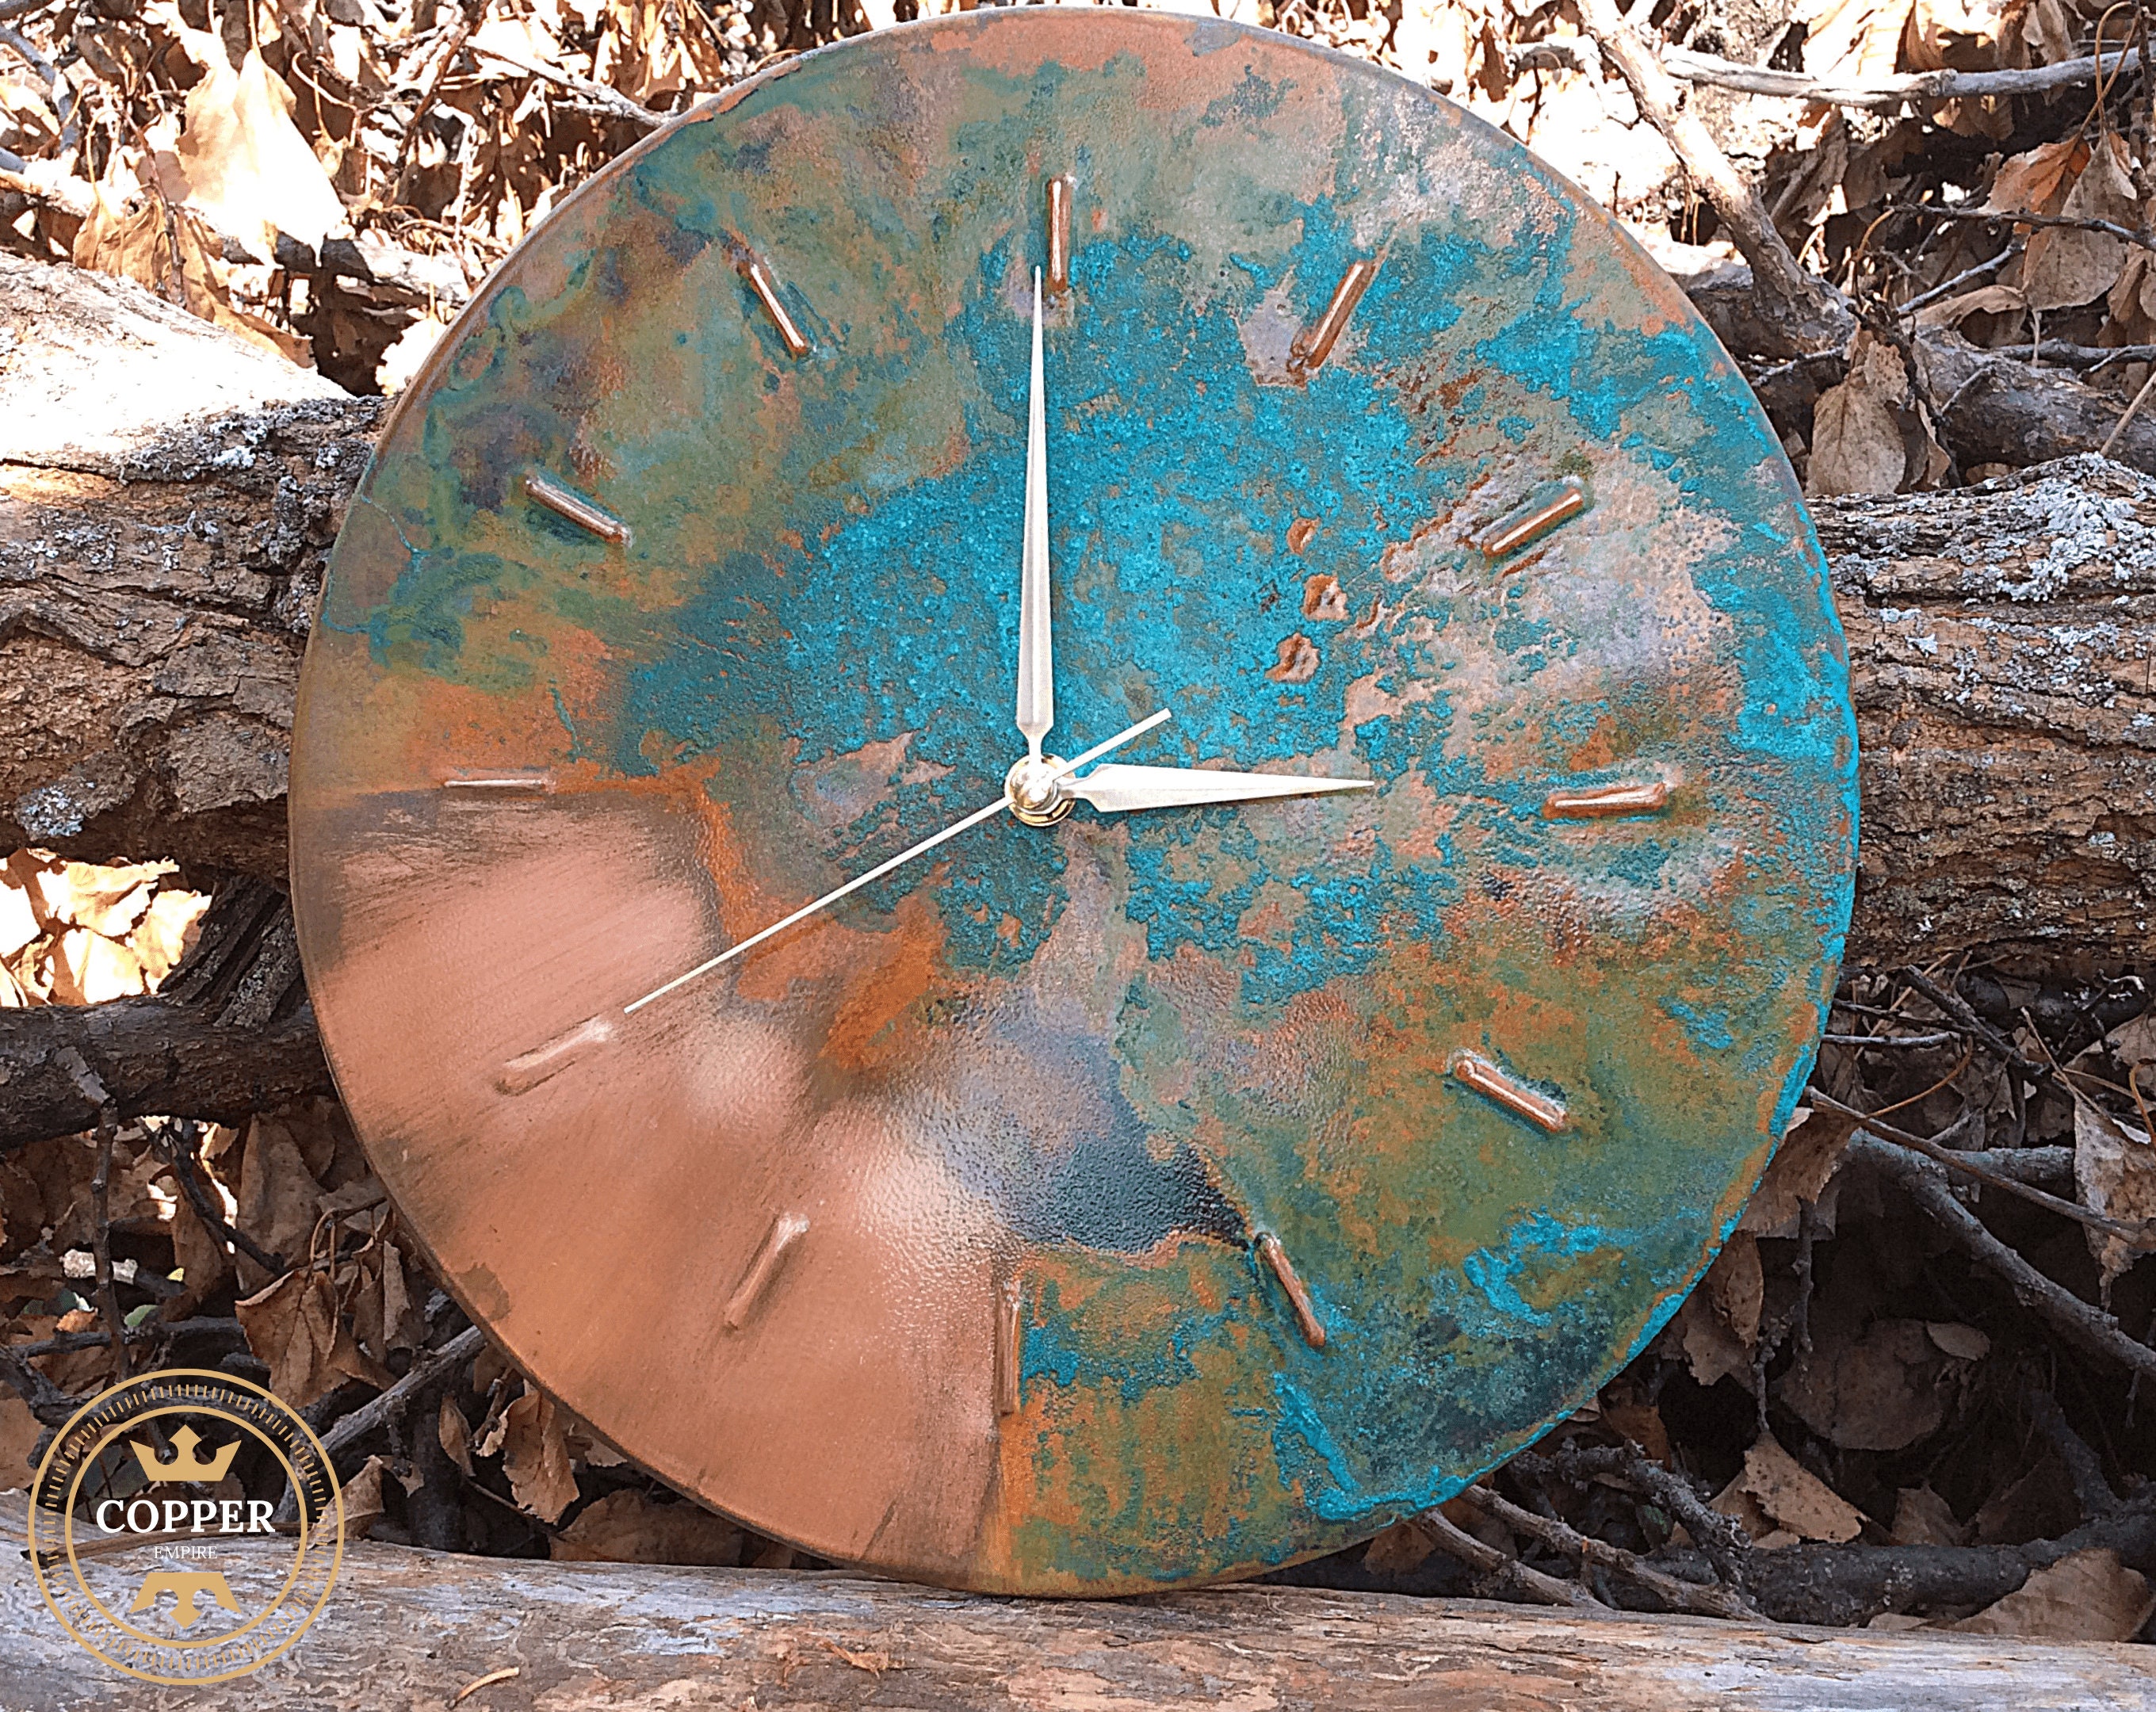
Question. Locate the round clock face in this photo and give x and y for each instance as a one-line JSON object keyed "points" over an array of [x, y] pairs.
{"points": [[1161, 1177]]}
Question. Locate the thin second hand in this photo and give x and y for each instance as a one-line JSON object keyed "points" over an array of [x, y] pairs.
{"points": [[881, 868]]}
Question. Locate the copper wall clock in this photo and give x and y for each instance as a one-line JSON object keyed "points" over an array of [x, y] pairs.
{"points": [[1239, 1132]]}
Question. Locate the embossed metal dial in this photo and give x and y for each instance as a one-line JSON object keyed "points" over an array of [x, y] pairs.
{"points": [[1144, 1197]]}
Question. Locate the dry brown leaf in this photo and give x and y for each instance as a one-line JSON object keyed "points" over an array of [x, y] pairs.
{"points": [[18, 918], [2039, 1505], [455, 1433], [403, 1326], [1641, 1423], [535, 1458], [2133, 1042], [19, 1432], [1983, 301], [204, 1262], [1400, 1548], [1854, 41], [107, 900], [170, 250], [1867, 436], [1963, 1343], [585, 1444], [249, 173], [363, 1504], [2064, 267], [2037, 182], [279, 1198], [2114, 1174], [1710, 1346], [2087, 1596], [1880, 1387], [165, 932], [1737, 1287], [84, 968], [1789, 1496], [2052, 31], [628, 1527], [292, 1326], [1953, 35], [1923, 1517]]}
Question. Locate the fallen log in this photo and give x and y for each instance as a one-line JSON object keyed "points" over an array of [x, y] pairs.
{"points": [[406, 1627], [158, 568]]}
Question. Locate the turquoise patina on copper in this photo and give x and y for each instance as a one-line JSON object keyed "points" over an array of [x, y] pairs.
{"points": [[1093, 1062]]}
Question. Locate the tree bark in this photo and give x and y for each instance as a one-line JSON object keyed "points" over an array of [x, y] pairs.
{"points": [[404, 1627], [168, 495], [158, 570]]}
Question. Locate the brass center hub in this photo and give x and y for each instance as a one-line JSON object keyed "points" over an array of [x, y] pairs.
{"points": [[1037, 795]]}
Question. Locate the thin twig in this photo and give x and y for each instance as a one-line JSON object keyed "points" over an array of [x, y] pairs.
{"points": [[2140, 397], [1548, 1589], [1719, 1536], [1993, 216], [1707, 1599], [2140, 1237], [1907, 1040], [1560, 53], [426, 1371], [108, 1297], [149, 1331], [53, 1407], [612, 100], [175, 1141], [474, 12], [1957, 1009], [1968, 276]]}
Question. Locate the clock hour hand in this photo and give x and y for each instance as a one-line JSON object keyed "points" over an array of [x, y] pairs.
{"points": [[1036, 662], [1115, 789]]}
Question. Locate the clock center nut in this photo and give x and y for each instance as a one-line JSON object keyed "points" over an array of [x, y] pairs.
{"points": [[1037, 795]]}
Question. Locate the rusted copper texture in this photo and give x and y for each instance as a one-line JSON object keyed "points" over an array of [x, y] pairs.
{"points": [[1100, 1058]]}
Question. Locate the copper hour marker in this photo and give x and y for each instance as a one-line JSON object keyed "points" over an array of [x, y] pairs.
{"points": [[512, 785], [1011, 1345], [1484, 1078], [578, 510], [1058, 234], [1315, 343], [1603, 802], [1306, 1313], [526, 1071], [786, 1230], [1530, 522], [761, 282]]}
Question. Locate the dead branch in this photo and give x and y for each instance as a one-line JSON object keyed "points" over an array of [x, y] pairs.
{"points": [[1503, 1566], [1709, 1599], [1804, 312], [2140, 1236], [1883, 95], [231, 1034], [2081, 1323]]}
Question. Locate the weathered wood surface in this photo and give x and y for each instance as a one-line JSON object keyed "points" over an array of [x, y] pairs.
{"points": [[408, 1629], [157, 572]]}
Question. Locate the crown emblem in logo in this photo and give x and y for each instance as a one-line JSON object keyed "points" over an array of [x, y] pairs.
{"points": [[183, 1464]]}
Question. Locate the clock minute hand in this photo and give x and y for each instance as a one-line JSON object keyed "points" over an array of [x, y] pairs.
{"points": [[1036, 659], [1117, 789]]}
